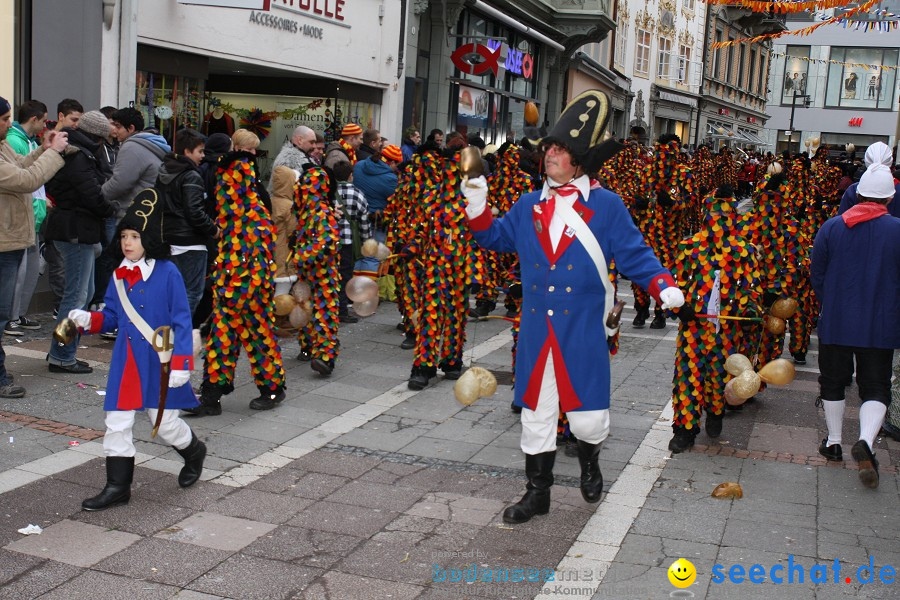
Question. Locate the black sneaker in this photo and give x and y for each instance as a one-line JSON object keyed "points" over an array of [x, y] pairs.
{"points": [[322, 367], [799, 358], [659, 322], [12, 328], [409, 342], [515, 408], [832, 452], [79, 368], [304, 356], [11, 390], [868, 465], [349, 319], [26, 323]]}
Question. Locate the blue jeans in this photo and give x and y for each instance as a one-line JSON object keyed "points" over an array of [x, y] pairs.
{"points": [[9, 269], [106, 262], [192, 265], [79, 267]]}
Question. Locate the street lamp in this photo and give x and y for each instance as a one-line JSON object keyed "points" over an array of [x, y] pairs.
{"points": [[806, 102]]}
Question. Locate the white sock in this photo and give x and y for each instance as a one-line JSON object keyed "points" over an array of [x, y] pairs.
{"points": [[871, 416], [834, 419]]}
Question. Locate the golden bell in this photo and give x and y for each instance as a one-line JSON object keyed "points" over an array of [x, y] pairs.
{"points": [[774, 324], [470, 164], [65, 332], [467, 388], [784, 308], [746, 384], [779, 372], [737, 364]]}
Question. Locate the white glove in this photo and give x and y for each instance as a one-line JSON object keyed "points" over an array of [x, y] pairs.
{"points": [[671, 297], [179, 378], [475, 190], [82, 318]]}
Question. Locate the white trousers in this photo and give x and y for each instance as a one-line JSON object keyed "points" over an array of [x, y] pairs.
{"points": [[119, 441], [539, 426]]}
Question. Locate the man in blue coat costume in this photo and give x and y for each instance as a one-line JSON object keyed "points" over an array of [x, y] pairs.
{"points": [[855, 273], [563, 362], [155, 290]]}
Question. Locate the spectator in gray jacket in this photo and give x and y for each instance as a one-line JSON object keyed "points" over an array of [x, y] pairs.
{"points": [[296, 152], [137, 164]]}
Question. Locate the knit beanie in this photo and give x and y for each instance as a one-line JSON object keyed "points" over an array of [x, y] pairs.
{"points": [[95, 123]]}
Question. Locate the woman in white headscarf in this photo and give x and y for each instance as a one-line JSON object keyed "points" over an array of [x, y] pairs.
{"points": [[879, 153]]}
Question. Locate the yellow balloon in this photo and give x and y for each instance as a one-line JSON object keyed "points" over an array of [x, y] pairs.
{"points": [[467, 388], [774, 324], [284, 304], [730, 397], [299, 317], [783, 308], [778, 372], [486, 380], [737, 364], [301, 291], [746, 384], [369, 248]]}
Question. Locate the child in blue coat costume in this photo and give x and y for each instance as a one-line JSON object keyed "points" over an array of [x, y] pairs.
{"points": [[155, 289], [562, 363]]}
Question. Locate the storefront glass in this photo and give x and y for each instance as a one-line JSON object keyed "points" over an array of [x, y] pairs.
{"points": [[796, 73], [169, 102], [860, 83]]}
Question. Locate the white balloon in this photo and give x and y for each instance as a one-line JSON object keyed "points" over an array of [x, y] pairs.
{"points": [[365, 308]]}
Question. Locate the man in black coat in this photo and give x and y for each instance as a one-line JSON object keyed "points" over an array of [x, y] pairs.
{"points": [[76, 227], [187, 227]]}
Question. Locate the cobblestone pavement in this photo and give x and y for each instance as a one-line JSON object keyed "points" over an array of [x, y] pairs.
{"points": [[355, 487]]}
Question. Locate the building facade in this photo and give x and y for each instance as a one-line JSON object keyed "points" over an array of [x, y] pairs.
{"points": [[735, 78], [452, 45], [656, 49], [837, 71]]}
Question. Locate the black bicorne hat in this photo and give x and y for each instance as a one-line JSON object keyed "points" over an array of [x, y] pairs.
{"points": [[145, 215], [581, 129]]}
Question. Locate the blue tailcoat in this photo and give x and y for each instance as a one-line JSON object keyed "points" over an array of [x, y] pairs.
{"points": [[855, 273], [563, 296], [134, 373]]}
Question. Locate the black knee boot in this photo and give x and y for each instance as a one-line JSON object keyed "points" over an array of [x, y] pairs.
{"points": [[119, 473], [659, 319], [193, 457], [536, 501], [591, 478]]}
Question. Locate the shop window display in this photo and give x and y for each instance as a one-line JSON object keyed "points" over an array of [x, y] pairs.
{"points": [[796, 74], [859, 82], [169, 102]]}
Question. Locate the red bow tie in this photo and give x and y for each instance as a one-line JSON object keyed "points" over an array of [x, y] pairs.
{"points": [[549, 207], [131, 276]]}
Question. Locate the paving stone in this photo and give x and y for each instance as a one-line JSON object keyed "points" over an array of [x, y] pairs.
{"points": [[500, 456], [358, 521], [464, 431], [43, 503], [304, 546], [296, 415], [216, 531], [163, 561], [323, 404], [254, 578], [318, 485], [383, 438], [438, 479], [14, 564], [237, 447], [457, 508], [640, 581], [74, 543], [334, 463], [692, 527], [40, 579], [514, 548], [104, 586], [199, 496], [376, 495], [341, 586], [258, 505], [140, 516], [442, 449], [782, 438], [277, 432], [390, 555]]}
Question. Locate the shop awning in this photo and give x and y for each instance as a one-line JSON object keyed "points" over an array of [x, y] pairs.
{"points": [[754, 139]]}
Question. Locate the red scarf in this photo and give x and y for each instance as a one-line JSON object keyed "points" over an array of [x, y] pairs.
{"points": [[862, 212], [349, 150]]}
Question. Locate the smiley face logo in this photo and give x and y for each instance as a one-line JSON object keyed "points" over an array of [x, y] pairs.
{"points": [[682, 573]]}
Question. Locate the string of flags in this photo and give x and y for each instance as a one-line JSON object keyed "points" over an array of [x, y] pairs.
{"points": [[784, 7], [834, 62], [799, 32]]}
